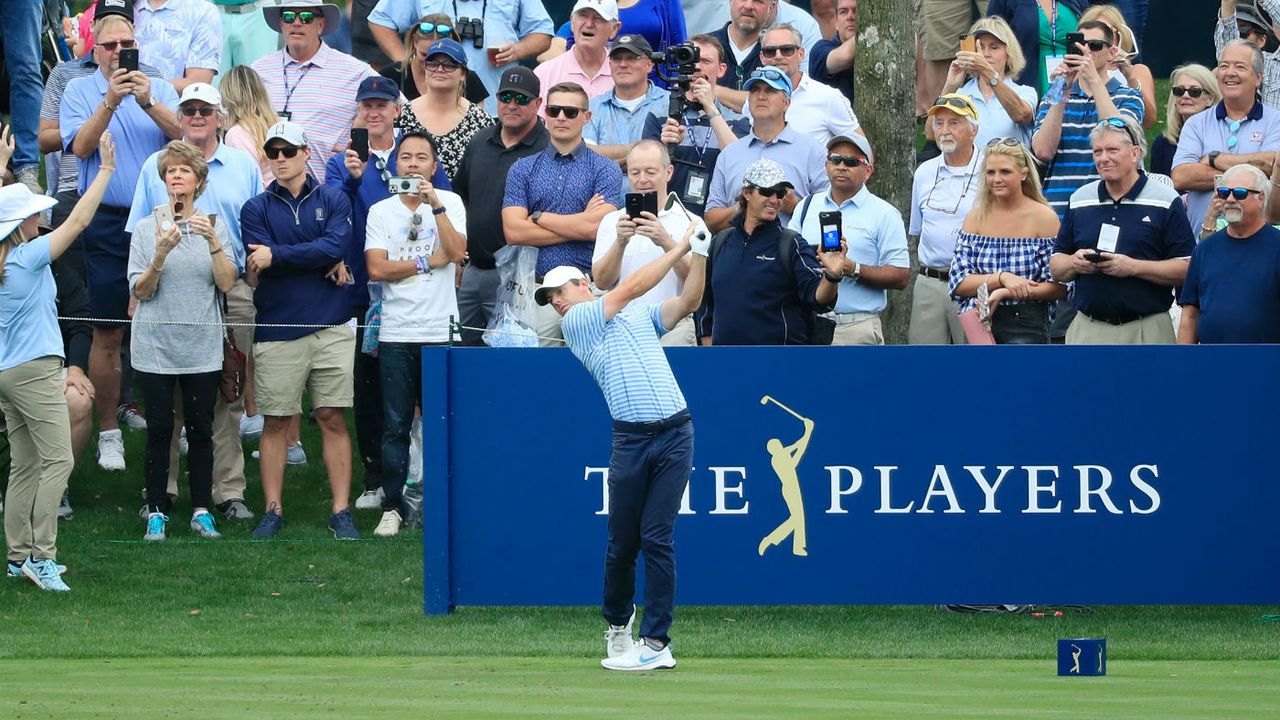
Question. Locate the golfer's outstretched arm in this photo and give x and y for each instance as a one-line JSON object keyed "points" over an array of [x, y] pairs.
{"points": [[681, 306], [644, 279]]}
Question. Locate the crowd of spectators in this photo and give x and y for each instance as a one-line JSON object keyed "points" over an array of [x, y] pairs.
{"points": [[342, 185]]}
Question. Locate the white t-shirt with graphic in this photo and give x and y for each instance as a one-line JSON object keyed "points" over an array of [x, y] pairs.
{"points": [[417, 308]]}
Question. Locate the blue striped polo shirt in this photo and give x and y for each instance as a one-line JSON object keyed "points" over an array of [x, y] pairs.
{"points": [[626, 359], [1072, 166]]}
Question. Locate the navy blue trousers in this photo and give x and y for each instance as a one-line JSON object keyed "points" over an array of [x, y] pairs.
{"points": [[648, 472]]}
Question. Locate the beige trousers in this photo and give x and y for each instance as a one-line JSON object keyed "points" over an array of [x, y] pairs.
{"points": [[867, 331], [35, 409], [933, 314], [1154, 329]]}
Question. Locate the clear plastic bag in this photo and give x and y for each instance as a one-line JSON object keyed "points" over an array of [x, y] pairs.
{"points": [[514, 319]]}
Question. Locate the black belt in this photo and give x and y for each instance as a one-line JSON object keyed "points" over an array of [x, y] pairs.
{"points": [[113, 210], [1115, 320], [935, 274], [657, 427]]}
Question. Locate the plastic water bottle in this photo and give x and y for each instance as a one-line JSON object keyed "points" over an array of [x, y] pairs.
{"points": [[1056, 90]]}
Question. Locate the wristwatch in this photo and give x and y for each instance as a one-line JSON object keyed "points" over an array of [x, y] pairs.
{"points": [[151, 102], [1213, 159], [994, 81], [856, 273], [535, 215], [830, 279]]}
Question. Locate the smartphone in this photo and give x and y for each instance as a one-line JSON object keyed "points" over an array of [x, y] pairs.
{"points": [[968, 43], [129, 59], [1095, 257], [830, 223], [642, 202], [403, 185], [164, 217], [1072, 40], [360, 143]]}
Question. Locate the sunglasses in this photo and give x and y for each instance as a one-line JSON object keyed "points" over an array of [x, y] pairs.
{"points": [[768, 73], [1096, 45], [111, 45], [777, 191], [514, 97], [1120, 125], [1005, 141], [571, 112], [1239, 193], [274, 151], [436, 28], [1250, 31], [441, 65], [306, 17], [784, 50], [205, 111], [852, 161], [1179, 91]]}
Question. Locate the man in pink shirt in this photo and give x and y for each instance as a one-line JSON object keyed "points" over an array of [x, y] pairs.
{"points": [[594, 24]]}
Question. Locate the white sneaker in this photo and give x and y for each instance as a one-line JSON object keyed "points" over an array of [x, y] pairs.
{"points": [[250, 427], [370, 500], [617, 639], [128, 415], [640, 658], [294, 455], [111, 450], [389, 525]]}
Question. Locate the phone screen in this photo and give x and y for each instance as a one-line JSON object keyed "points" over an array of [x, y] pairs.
{"points": [[829, 222]]}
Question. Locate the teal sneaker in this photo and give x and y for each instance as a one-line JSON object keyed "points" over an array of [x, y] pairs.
{"points": [[155, 527], [202, 525], [44, 573], [15, 570], [343, 525]]}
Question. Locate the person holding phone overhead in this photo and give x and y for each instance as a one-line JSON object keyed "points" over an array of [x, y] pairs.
{"points": [[140, 114], [1125, 242], [1040, 27], [867, 230], [180, 260]]}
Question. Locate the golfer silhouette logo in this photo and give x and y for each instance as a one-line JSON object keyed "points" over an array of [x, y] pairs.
{"points": [[1075, 658], [785, 460]]}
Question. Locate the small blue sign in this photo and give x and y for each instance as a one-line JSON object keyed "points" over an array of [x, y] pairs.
{"points": [[1082, 657]]}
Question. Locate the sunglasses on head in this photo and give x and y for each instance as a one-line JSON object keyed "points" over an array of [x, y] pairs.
{"points": [[435, 28], [514, 97], [274, 151], [306, 17], [852, 161], [768, 73], [784, 50], [441, 65], [205, 111], [1005, 141], [953, 102], [111, 45], [1120, 125], [571, 112], [1179, 91], [1239, 193], [777, 191]]}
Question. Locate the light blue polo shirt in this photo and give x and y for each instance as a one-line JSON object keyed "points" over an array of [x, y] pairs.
{"points": [[28, 308], [613, 124], [233, 179], [802, 158], [993, 119], [875, 234], [1210, 130], [136, 135], [626, 359]]}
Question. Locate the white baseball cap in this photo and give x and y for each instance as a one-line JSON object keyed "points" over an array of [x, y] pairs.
{"points": [[607, 9], [289, 132], [203, 92], [554, 279]]}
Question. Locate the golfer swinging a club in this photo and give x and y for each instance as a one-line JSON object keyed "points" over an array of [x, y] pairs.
{"points": [[652, 437]]}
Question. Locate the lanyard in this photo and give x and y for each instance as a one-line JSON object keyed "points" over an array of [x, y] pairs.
{"points": [[284, 76], [1053, 29], [484, 8], [706, 140]]}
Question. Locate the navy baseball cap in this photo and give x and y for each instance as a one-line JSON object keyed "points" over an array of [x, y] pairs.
{"points": [[450, 48], [377, 88]]}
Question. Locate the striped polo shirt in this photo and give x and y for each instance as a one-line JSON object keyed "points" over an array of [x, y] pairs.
{"points": [[1152, 225], [1072, 166], [626, 359], [319, 95]]}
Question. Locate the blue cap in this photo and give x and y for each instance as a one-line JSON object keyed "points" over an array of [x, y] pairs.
{"points": [[377, 88], [451, 48], [771, 76]]}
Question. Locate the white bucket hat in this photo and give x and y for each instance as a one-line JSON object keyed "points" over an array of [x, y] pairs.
{"points": [[272, 12], [17, 203]]}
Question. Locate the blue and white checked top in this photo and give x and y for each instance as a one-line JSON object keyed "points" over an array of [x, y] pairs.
{"points": [[1072, 166], [986, 255], [563, 184], [626, 359]]}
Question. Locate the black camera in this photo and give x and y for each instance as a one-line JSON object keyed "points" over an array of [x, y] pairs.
{"points": [[471, 29], [676, 66]]}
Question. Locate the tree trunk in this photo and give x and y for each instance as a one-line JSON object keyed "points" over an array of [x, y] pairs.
{"points": [[884, 83]]}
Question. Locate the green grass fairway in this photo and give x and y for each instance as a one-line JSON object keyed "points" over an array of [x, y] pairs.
{"points": [[450, 687]]}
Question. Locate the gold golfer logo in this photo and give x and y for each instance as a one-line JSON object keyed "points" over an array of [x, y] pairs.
{"points": [[785, 460]]}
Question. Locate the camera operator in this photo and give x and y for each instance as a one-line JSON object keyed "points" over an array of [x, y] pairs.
{"points": [[704, 128]]}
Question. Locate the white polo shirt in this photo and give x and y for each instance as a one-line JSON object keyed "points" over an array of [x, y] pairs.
{"points": [[641, 250], [941, 196]]}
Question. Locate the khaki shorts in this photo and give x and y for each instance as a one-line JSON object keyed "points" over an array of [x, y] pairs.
{"points": [[320, 363], [944, 21]]}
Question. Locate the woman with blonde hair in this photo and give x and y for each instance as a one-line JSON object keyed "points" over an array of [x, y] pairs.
{"points": [[179, 267], [31, 370], [1192, 90], [443, 111], [986, 77], [249, 115], [1005, 245], [411, 73], [1138, 76]]}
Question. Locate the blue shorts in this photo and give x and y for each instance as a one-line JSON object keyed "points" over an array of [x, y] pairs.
{"points": [[106, 259]]}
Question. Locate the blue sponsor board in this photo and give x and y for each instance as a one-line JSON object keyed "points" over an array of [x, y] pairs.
{"points": [[873, 476]]}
